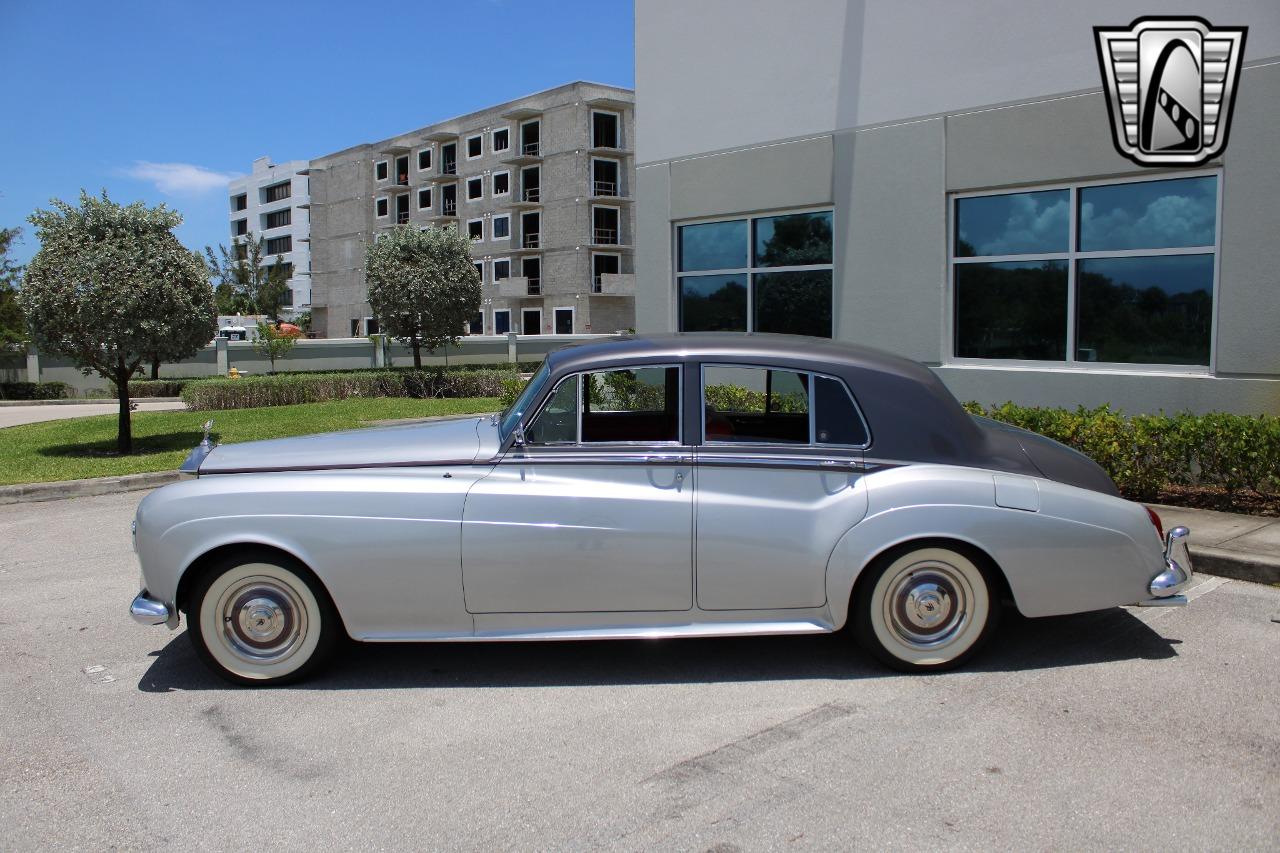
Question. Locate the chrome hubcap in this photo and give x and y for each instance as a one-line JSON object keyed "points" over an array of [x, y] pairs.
{"points": [[263, 620], [927, 605]]}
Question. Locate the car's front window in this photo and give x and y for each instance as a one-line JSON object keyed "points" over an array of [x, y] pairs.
{"points": [[633, 405], [517, 410]]}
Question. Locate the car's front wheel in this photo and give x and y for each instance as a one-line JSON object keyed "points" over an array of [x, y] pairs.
{"points": [[261, 619], [926, 608]]}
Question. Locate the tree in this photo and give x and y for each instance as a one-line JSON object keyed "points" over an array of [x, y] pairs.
{"points": [[273, 343], [13, 325], [111, 286], [246, 284], [423, 286]]}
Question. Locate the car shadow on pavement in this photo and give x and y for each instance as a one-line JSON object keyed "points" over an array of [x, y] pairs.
{"points": [[1021, 644]]}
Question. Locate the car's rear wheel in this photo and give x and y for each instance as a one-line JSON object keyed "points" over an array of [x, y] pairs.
{"points": [[926, 608], [261, 619]]}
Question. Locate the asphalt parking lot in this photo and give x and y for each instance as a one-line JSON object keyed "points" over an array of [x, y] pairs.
{"points": [[1120, 729]]}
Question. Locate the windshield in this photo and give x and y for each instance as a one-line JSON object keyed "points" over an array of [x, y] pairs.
{"points": [[517, 410]]}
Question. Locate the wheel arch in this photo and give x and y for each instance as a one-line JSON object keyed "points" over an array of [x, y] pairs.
{"points": [[206, 560], [1001, 590], [861, 549]]}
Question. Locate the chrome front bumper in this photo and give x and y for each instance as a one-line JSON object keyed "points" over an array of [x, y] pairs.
{"points": [[1166, 588], [146, 610]]}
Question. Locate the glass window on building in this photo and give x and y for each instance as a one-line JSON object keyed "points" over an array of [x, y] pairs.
{"points": [[762, 274], [1136, 287]]}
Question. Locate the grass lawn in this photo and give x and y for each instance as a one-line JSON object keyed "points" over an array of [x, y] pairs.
{"points": [[85, 447]]}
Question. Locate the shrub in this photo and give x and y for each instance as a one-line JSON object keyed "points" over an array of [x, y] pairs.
{"points": [[155, 387], [1146, 453], [34, 391], [290, 389]]}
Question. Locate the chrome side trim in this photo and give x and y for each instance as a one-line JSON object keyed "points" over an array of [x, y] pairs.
{"points": [[658, 456], [146, 610], [354, 466], [777, 461]]}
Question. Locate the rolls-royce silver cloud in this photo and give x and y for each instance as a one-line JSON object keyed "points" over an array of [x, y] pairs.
{"points": [[675, 486]]}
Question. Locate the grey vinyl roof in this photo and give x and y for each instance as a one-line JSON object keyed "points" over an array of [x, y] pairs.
{"points": [[794, 350]]}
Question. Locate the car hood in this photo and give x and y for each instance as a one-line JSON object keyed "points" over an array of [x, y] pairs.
{"points": [[1045, 456], [458, 440]]}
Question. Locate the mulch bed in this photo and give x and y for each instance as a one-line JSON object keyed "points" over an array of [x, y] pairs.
{"points": [[1213, 497]]}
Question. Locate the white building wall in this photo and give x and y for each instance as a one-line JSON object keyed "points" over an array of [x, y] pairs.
{"points": [[266, 174]]}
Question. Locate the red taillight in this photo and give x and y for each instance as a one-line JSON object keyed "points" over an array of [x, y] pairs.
{"points": [[1155, 519]]}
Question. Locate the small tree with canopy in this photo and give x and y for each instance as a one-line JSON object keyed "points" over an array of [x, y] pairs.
{"points": [[423, 286], [246, 283], [111, 287]]}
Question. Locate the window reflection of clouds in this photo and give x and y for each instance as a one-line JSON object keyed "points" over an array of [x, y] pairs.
{"points": [[714, 246], [1149, 215], [1014, 224]]}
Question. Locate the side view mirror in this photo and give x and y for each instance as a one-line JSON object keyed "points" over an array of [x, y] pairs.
{"points": [[518, 435]]}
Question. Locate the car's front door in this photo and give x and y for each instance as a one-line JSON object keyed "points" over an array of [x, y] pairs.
{"points": [[595, 512], [778, 485]]}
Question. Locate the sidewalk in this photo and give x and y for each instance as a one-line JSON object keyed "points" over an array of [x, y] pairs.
{"points": [[1245, 547], [37, 412]]}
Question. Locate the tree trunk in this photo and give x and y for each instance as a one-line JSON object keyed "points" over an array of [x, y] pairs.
{"points": [[417, 354], [155, 368], [124, 434]]}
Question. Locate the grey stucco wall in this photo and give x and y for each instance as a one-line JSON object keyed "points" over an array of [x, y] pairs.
{"points": [[890, 263], [1249, 297], [722, 74], [890, 183]]}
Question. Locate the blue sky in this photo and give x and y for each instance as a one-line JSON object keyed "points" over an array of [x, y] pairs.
{"points": [[161, 101]]}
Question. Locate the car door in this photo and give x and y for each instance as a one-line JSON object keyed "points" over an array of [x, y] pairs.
{"points": [[778, 473], [594, 512]]}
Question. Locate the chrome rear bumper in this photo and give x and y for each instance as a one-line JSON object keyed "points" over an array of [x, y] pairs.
{"points": [[1166, 587], [146, 610]]}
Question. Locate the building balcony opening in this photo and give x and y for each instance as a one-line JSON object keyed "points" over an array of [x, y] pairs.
{"points": [[531, 139], [602, 265], [531, 269], [449, 200], [449, 159], [604, 226], [402, 171], [530, 228], [604, 130], [605, 178]]}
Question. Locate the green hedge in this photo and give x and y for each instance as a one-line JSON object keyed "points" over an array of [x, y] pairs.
{"points": [[1145, 453], [34, 391], [286, 390], [157, 387]]}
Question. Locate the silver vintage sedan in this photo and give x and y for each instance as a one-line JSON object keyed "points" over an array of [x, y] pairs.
{"points": [[677, 486]]}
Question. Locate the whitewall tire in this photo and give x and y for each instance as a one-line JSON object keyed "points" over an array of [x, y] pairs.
{"points": [[259, 619], [928, 608]]}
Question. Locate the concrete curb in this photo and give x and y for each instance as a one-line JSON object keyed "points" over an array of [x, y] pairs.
{"points": [[88, 401], [1237, 565], [25, 492]]}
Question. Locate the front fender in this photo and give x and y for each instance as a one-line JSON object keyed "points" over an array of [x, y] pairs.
{"points": [[1080, 550], [385, 544]]}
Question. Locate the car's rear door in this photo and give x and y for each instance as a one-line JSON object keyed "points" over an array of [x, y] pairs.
{"points": [[595, 512], [778, 472]]}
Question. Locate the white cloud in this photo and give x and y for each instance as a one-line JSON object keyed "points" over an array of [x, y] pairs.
{"points": [[179, 178]]}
